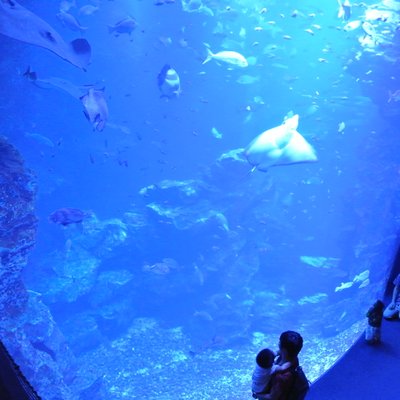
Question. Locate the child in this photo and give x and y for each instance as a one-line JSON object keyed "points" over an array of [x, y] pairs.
{"points": [[374, 315], [393, 309], [263, 371]]}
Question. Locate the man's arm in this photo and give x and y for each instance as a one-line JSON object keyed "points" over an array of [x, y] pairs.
{"points": [[276, 390], [264, 397], [395, 293]]}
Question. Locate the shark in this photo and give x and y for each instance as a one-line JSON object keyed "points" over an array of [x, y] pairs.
{"points": [[281, 145], [21, 24]]}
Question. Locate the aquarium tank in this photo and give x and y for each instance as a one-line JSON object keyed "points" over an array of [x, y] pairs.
{"points": [[183, 180]]}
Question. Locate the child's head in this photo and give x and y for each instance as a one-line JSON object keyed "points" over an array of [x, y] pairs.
{"points": [[378, 305], [265, 358]]}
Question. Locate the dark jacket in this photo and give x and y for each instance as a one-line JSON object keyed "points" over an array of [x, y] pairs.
{"points": [[375, 316], [282, 383]]}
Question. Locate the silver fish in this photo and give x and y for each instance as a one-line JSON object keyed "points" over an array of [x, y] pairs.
{"points": [[228, 57], [126, 25], [21, 24], [88, 10], [70, 22]]}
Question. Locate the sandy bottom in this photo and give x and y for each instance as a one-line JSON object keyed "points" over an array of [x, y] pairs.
{"points": [[154, 363]]}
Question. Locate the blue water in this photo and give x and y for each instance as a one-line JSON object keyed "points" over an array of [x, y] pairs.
{"points": [[193, 277]]}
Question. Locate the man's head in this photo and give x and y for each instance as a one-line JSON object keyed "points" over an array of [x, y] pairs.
{"points": [[292, 342]]}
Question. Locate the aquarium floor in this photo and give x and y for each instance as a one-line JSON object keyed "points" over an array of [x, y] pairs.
{"points": [[150, 361], [364, 372]]}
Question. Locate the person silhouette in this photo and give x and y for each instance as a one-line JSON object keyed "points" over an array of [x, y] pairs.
{"points": [[283, 383], [393, 309]]}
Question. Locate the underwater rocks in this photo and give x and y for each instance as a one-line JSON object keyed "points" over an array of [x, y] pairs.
{"points": [[18, 228], [26, 325], [72, 272]]}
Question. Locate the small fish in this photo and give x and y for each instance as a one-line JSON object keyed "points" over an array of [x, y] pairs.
{"points": [[159, 268], [40, 139], [352, 25], [368, 29], [70, 22], [227, 57], [341, 127], [169, 82], [67, 216], [347, 10], [362, 276], [95, 108], [88, 10], [321, 262], [31, 75], [216, 133], [126, 25], [165, 40], [316, 298], [364, 283], [66, 5], [394, 96], [247, 79], [344, 285], [204, 315], [344, 11]]}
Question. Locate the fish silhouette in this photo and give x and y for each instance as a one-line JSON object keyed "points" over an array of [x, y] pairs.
{"points": [[66, 216], [21, 24], [95, 108], [169, 82]]}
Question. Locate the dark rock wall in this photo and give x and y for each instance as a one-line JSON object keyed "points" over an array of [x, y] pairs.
{"points": [[27, 327]]}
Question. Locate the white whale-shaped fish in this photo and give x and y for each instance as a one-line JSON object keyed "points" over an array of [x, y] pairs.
{"points": [[21, 24], [281, 145], [227, 57]]}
